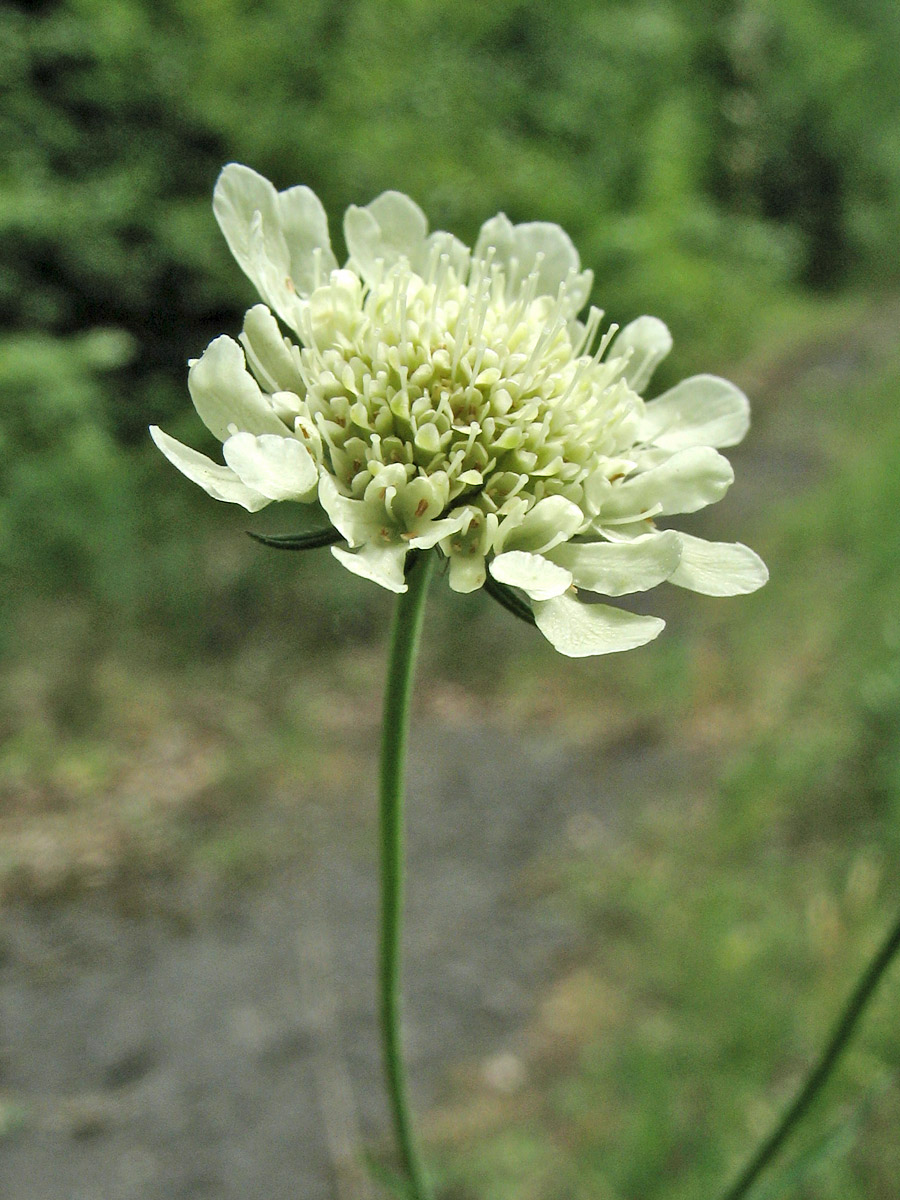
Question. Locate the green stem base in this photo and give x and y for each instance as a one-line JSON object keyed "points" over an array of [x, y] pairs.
{"points": [[405, 633]]}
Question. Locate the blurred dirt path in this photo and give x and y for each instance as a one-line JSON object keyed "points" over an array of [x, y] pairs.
{"points": [[225, 1045]]}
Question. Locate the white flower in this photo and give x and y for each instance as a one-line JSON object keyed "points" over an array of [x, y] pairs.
{"points": [[437, 398]]}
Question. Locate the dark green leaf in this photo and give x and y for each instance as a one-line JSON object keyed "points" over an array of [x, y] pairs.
{"points": [[297, 541], [507, 597]]}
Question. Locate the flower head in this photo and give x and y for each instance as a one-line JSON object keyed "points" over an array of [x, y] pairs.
{"points": [[433, 397]]}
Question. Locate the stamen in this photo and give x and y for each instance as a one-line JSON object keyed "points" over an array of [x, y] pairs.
{"points": [[582, 346]]}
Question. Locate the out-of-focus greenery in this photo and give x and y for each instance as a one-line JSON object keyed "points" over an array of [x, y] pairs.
{"points": [[704, 156]]}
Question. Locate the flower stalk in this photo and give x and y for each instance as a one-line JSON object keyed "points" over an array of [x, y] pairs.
{"points": [[405, 634], [824, 1067]]}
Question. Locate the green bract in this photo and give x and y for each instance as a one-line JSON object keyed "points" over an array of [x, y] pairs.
{"points": [[434, 397]]}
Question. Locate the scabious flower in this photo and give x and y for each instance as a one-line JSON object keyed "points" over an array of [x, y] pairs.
{"points": [[432, 397]]}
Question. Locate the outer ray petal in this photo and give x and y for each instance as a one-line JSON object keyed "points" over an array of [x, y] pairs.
{"points": [[541, 246], [618, 568], [352, 518], [649, 341], [390, 228], [267, 352], [383, 565], [718, 568], [304, 224], [225, 394], [457, 252], [536, 576], [688, 481], [701, 411], [580, 630], [278, 467], [280, 240], [220, 482], [548, 523]]}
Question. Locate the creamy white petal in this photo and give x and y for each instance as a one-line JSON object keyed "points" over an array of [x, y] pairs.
{"points": [[246, 207], [226, 395], [690, 480], [442, 243], [390, 228], [498, 232], [718, 568], [304, 224], [383, 565], [467, 572], [267, 353], [540, 246], [618, 568], [536, 576], [220, 482], [545, 247], [626, 531], [550, 522], [579, 630], [358, 521], [240, 194], [278, 467], [649, 341], [431, 532], [280, 240], [701, 411]]}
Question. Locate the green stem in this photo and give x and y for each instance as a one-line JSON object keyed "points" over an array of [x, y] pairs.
{"points": [[823, 1068], [395, 722]]}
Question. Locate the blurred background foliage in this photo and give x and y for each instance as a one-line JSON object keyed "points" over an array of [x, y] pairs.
{"points": [[706, 158], [730, 165]]}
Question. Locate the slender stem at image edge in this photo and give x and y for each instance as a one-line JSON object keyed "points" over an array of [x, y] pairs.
{"points": [[823, 1068], [395, 722]]}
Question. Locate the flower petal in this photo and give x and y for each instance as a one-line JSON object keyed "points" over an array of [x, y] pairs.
{"points": [[718, 568], [220, 482], [498, 232], [457, 252], [383, 565], [617, 568], [540, 246], [688, 481], [431, 532], [304, 224], [579, 630], [548, 523], [278, 467], [226, 395], [355, 519], [538, 578], [649, 341], [467, 572], [701, 411], [267, 353], [279, 239], [390, 228]]}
